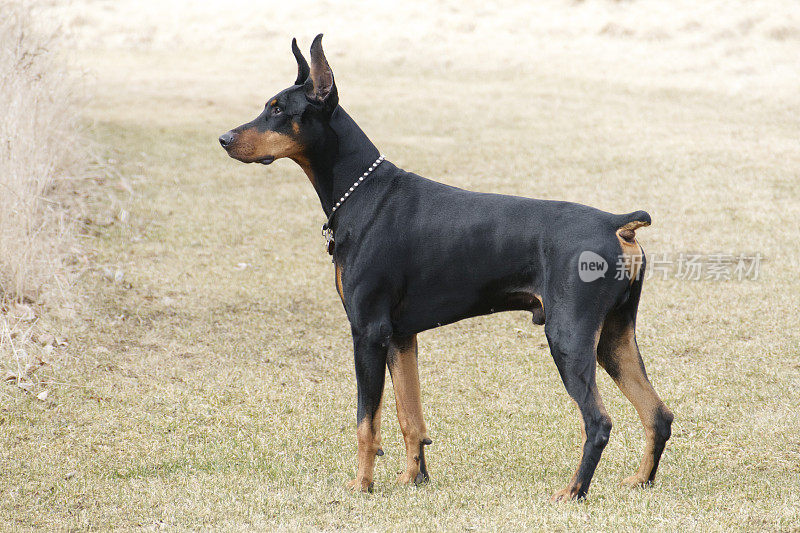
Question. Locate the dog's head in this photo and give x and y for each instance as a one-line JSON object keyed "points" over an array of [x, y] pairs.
{"points": [[293, 120]]}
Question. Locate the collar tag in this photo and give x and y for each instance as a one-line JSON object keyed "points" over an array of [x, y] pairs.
{"points": [[328, 234]]}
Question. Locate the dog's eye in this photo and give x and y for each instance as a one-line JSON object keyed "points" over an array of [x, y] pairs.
{"points": [[276, 110]]}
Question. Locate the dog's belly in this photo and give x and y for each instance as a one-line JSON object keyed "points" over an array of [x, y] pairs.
{"points": [[420, 314], [457, 291]]}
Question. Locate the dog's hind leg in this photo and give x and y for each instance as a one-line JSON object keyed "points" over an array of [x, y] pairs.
{"points": [[573, 345], [402, 362], [618, 354]]}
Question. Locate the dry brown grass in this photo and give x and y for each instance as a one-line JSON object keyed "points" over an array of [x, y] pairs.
{"points": [[41, 152], [41, 145], [207, 395]]}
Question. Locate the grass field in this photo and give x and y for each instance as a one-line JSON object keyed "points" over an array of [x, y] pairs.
{"points": [[208, 380]]}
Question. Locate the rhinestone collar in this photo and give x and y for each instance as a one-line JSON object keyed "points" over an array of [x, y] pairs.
{"points": [[356, 184], [327, 232]]}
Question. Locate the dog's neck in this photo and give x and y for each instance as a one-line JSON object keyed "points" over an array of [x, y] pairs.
{"points": [[334, 166]]}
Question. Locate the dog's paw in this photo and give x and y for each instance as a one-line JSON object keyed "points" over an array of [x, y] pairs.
{"points": [[359, 485], [564, 495], [635, 481], [415, 476], [404, 478]]}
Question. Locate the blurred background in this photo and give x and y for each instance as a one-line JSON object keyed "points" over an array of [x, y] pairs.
{"points": [[733, 47], [175, 356]]}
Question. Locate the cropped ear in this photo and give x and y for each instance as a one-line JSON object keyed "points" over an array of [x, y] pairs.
{"points": [[302, 65], [320, 87]]}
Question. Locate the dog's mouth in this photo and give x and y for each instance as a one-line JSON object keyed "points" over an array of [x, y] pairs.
{"points": [[264, 160]]}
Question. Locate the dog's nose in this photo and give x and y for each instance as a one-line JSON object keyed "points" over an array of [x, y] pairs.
{"points": [[226, 139]]}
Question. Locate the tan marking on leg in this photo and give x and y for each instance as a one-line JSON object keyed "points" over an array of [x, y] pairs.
{"points": [[369, 441], [377, 425], [405, 378], [632, 381], [339, 287]]}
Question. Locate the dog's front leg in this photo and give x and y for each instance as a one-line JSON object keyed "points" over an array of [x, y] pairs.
{"points": [[402, 361], [370, 357]]}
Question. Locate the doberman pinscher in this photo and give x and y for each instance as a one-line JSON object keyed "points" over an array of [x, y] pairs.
{"points": [[412, 254]]}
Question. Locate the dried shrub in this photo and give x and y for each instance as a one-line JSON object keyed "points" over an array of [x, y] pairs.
{"points": [[40, 147]]}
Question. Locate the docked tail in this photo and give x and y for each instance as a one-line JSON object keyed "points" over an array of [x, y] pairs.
{"points": [[632, 253], [626, 225]]}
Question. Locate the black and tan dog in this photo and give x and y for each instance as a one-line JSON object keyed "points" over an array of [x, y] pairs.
{"points": [[412, 254]]}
